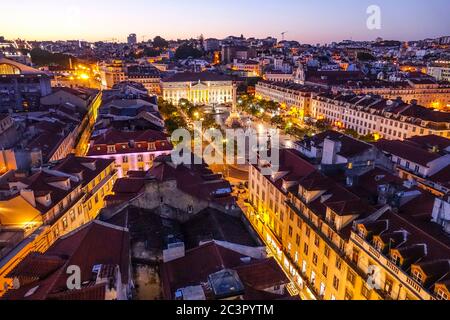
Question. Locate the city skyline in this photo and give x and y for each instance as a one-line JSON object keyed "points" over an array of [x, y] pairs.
{"points": [[304, 21]]}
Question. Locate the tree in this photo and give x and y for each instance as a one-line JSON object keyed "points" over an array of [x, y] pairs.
{"points": [[44, 58], [364, 56], [210, 122], [187, 51], [323, 125], [277, 120], [152, 52], [175, 123], [159, 42], [166, 109], [352, 133]]}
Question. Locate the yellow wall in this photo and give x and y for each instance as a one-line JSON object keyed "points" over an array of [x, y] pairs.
{"points": [[18, 212]]}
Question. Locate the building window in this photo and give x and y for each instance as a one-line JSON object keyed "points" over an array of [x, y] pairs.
{"points": [[72, 215], [317, 241], [65, 223], [348, 295], [396, 259], [111, 149], [125, 159], [355, 256], [441, 295], [315, 259], [365, 292], [351, 277], [388, 286], [308, 232], [290, 231], [297, 240], [305, 249], [140, 158], [325, 270], [417, 276], [338, 263], [335, 283], [327, 252]]}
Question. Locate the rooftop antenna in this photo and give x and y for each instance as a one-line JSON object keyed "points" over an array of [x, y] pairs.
{"points": [[283, 34]]}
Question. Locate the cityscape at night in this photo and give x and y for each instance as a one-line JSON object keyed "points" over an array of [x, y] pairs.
{"points": [[232, 151]]}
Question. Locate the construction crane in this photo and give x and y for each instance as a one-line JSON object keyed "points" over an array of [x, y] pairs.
{"points": [[282, 34]]}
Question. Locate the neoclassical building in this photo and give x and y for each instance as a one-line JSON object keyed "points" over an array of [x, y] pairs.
{"points": [[198, 88]]}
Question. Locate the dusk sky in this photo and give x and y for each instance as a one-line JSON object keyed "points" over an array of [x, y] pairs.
{"points": [[308, 21]]}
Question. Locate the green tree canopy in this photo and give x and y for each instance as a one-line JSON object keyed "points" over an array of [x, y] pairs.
{"points": [[159, 42], [187, 51]]}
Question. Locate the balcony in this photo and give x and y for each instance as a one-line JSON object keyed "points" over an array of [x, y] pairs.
{"points": [[391, 268], [338, 250]]}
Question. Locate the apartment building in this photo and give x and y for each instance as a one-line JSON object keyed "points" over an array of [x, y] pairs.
{"points": [[49, 204], [117, 71], [425, 92], [289, 95], [100, 250], [406, 256], [130, 150], [422, 159], [247, 68], [278, 76], [440, 70], [388, 119], [313, 224], [304, 218]]}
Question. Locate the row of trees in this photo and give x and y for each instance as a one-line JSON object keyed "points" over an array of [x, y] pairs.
{"points": [[257, 107], [173, 118], [45, 58]]}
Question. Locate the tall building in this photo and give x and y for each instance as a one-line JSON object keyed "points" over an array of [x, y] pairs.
{"points": [[440, 70], [21, 87], [117, 71], [198, 88], [229, 53], [426, 92], [366, 238], [37, 210], [131, 151], [371, 114], [132, 39], [292, 96]]}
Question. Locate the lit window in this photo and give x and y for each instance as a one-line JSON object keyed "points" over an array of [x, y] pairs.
{"points": [[417, 276], [441, 295]]}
